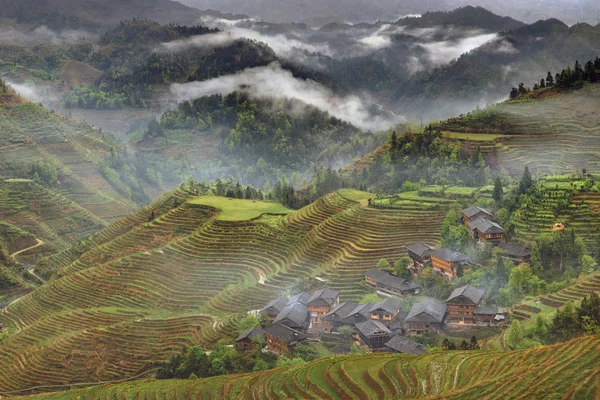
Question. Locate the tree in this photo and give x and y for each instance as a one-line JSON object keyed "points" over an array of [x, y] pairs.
{"points": [[370, 298], [498, 192], [526, 181], [515, 335], [549, 79], [460, 271], [249, 321], [588, 264], [383, 265], [401, 268]]}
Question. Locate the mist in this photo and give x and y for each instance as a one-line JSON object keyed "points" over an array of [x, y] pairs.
{"points": [[31, 92], [43, 34], [274, 82], [439, 53]]}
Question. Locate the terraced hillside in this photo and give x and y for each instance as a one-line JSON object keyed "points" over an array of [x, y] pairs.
{"points": [[556, 133], [32, 134], [570, 370], [48, 216], [141, 288]]}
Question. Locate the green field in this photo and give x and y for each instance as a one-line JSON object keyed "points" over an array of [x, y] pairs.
{"points": [[240, 210]]}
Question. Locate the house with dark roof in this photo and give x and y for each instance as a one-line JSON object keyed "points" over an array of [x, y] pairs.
{"points": [[390, 285], [426, 316], [273, 308], [334, 319], [301, 298], [294, 316], [281, 339], [420, 255], [245, 342], [385, 311], [462, 304], [474, 212], [321, 302], [373, 335], [484, 230], [401, 344], [517, 253], [490, 315], [360, 314], [446, 262]]}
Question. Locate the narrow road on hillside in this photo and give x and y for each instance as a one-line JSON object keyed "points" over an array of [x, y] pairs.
{"points": [[39, 243]]}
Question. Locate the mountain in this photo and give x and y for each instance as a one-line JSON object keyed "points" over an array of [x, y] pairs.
{"points": [[49, 12], [319, 13], [454, 375]]}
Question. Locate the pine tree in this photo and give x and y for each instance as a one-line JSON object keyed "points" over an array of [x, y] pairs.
{"points": [[526, 181], [498, 192], [549, 79]]}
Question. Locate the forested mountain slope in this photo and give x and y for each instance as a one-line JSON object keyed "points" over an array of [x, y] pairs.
{"points": [[568, 370]]}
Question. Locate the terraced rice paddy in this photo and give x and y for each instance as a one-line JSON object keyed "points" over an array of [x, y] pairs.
{"points": [[31, 134], [138, 279], [569, 370], [556, 134]]}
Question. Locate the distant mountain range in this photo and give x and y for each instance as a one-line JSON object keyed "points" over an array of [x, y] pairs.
{"points": [[320, 12]]}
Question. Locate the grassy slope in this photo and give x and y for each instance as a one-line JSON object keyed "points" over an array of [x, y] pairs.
{"points": [[239, 210], [139, 290], [570, 370]]}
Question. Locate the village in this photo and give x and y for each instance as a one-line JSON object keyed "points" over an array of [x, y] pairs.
{"points": [[384, 326]]}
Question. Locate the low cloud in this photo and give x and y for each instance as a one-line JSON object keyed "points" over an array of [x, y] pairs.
{"points": [[43, 34], [274, 82], [380, 38], [440, 53], [31, 92], [282, 45]]}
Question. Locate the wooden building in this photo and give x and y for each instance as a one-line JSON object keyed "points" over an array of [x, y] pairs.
{"points": [[446, 262], [301, 298], [390, 285], [273, 308], [294, 316], [420, 255], [245, 342], [462, 304], [321, 302], [517, 253], [404, 345], [426, 316], [472, 213], [489, 315], [373, 335], [486, 231], [360, 314], [385, 311], [281, 339], [334, 319]]}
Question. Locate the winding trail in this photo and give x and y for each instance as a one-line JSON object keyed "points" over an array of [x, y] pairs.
{"points": [[39, 243]]}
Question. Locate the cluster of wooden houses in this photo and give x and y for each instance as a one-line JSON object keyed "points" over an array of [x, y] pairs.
{"points": [[377, 327], [482, 229]]}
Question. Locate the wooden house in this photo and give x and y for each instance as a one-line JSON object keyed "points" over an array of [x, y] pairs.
{"points": [[420, 255], [360, 314], [273, 308], [334, 319], [474, 212], [245, 342], [426, 316], [446, 262], [390, 285], [321, 302], [486, 231], [385, 311], [517, 253], [401, 344], [281, 339], [489, 315], [462, 304], [373, 335], [294, 316]]}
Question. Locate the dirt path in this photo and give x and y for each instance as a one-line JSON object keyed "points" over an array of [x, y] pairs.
{"points": [[39, 243]]}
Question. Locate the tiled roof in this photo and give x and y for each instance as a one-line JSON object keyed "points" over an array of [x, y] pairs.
{"points": [[470, 292], [429, 310], [250, 333], [323, 296], [405, 345], [285, 333]]}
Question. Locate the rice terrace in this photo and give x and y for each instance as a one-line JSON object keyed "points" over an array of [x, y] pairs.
{"points": [[256, 200]]}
